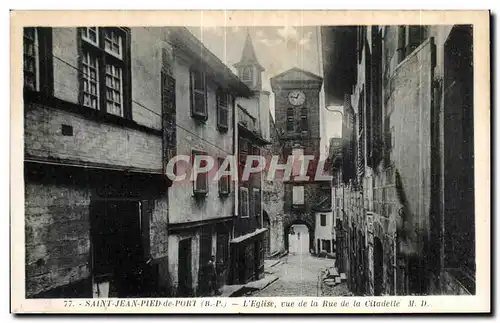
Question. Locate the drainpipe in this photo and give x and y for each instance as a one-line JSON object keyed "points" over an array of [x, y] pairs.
{"points": [[395, 264]]}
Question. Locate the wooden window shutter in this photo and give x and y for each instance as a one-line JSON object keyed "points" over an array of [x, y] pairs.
{"points": [[200, 183], [198, 94], [223, 101]]}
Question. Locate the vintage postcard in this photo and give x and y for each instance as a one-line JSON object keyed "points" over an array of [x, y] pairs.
{"points": [[250, 162]]}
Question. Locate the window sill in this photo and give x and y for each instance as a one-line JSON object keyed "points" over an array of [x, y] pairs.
{"points": [[222, 129], [200, 117], [200, 194]]}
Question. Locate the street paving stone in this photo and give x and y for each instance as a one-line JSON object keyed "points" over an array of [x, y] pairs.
{"points": [[298, 276]]}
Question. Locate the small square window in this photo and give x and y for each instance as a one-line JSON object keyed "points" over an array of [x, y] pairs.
{"points": [[298, 195], [66, 130], [90, 35], [113, 43]]}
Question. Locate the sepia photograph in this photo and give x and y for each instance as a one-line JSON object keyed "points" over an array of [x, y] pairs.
{"points": [[210, 162]]}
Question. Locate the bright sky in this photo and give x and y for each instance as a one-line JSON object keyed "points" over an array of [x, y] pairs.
{"points": [[278, 49]]}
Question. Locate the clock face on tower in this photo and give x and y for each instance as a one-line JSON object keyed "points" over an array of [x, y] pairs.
{"points": [[296, 97]]}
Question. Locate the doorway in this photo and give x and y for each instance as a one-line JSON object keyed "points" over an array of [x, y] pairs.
{"points": [[267, 235], [298, 239], [378, 266], [184, 270], [117, 250]]}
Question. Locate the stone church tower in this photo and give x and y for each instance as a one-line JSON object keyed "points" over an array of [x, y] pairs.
{"points": [[250, 72], [249, 68], [297, 118]]}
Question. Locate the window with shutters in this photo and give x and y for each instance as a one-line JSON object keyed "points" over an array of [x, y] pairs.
{"points": [[303, 120], [198, 95], [290, 120], [223, 180], [104, 66], [223, 107], [168, 111], [298, 195], [200, 183], [244, 205]]}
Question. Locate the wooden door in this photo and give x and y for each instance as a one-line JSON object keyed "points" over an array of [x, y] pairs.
{"points": [[184, 271]]}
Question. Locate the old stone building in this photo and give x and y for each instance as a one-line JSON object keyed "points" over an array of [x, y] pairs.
{"points": [[106, 109], [201, 208], [94, 162], [408, 205], [247, 245]]}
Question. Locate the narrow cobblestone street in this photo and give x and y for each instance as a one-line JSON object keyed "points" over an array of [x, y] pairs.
{"points": [[298, 276]]}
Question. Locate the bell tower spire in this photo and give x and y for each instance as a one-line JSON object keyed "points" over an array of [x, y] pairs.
{"points": [[249, 68]]}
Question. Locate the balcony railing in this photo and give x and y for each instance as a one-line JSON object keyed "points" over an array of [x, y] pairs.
{"points": [[248, 121]]}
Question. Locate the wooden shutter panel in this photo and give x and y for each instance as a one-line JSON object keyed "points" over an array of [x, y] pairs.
{"points": [[168, 117], [222, 110], [200, 184], [198, 94]]}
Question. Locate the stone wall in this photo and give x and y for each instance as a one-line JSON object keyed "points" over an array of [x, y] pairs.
{"points": [[92, 141], [57, 236]]}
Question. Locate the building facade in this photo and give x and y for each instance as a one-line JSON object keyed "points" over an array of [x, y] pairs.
{"points": [[408, 204], [106, 110], [95, 184], [247, 245], [201, 208]]}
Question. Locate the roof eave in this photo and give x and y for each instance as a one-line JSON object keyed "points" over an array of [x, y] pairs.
{"points": [[187, 42]]}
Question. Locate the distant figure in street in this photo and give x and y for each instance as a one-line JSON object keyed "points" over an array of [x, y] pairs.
{"points": [[212, 277]]}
